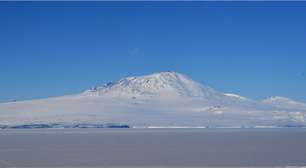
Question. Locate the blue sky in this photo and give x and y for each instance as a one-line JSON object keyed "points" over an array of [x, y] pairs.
{"points": [[255, 49]]}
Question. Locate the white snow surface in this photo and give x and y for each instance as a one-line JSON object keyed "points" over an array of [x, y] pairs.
{"points": [[166, 99], [235, 96], [284, 102]]}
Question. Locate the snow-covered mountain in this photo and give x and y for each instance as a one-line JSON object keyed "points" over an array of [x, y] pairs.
{"points": [[166, 99], [284, 102], [169, 84]]}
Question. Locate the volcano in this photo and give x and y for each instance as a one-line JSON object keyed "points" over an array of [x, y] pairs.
{"points": [[165, 99]]}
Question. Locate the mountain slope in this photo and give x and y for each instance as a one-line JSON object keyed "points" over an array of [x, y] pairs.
{"points": [[160, 99], [284, 102]]}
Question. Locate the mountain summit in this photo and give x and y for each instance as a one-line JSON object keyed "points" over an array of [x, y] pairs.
{"points": [[165, 99], [157, 84]]}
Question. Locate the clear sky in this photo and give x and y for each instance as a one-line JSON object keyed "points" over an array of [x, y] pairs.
{"points": [[255, 49]]}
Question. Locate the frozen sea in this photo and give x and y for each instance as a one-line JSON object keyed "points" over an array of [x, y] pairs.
{"points": [[89, 148]]}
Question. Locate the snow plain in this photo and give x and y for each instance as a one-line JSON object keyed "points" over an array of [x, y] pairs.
{"points": [[152, 148]]}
